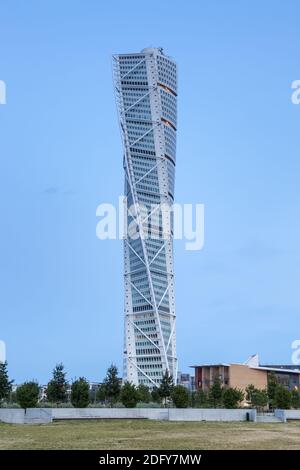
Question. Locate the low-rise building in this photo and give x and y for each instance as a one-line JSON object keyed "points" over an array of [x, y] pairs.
{"points": [[242, 375]]}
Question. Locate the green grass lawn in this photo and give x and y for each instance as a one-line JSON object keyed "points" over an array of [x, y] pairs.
{"points": [[149, 435]]}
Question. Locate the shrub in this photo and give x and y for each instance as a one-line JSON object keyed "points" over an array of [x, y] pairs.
{"points": [[155, 395], [215, 393], [256, 397], [201, 399], [144, 393], [282, 398], [5, 383], [28, 394], [80, 393], [259, 399], [272, 387], [295, 399], [129, 395], [101, 393], [250, 389], [180, 396], [232, 397], [112, 385], [57, 387], [166, 387]]}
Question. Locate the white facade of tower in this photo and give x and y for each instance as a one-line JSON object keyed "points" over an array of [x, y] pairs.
{"points": [[146, 94]]}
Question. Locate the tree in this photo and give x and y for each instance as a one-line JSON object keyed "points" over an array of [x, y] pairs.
{"points": [[192, 399], [259, 399], [272, 386], [256, 397], [180, 396], [80, 393], [101, 393], [283, 398], [129, 395], [28, 394], [155, 396], [215, 393], [5, 383], [57, 387], [201, 399], [295, 399], [144, 394], [250, 389], [232, 397], [112, 384], [166, 386]]}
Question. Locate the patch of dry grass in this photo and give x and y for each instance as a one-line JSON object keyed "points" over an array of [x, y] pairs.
{"points": [[149, 435]]}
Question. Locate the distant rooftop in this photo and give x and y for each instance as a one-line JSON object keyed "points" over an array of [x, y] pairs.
{"points": [[277, 369], [221, 364], [146, 50], [253, 363], [152, 50]]}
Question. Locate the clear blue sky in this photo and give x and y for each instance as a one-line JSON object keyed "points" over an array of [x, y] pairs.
{"points": [[61, 289]]}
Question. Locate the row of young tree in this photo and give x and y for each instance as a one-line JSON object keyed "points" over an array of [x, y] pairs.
{"points": [[111, 392], [27, 395], [274, 396]]}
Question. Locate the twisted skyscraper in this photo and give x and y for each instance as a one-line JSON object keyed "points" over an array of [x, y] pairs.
{"points": [[146, 93]]}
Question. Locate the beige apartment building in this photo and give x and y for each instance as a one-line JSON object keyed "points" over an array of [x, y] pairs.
{"points": [[242, 375]]}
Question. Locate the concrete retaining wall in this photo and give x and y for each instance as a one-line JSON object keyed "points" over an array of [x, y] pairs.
{"points": [[171, 414], [31, 416], [12, 415], [38, 416], [284, 415], [280, 414], [109, 413], [46, 415], [292, 414], [210, 414]]}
